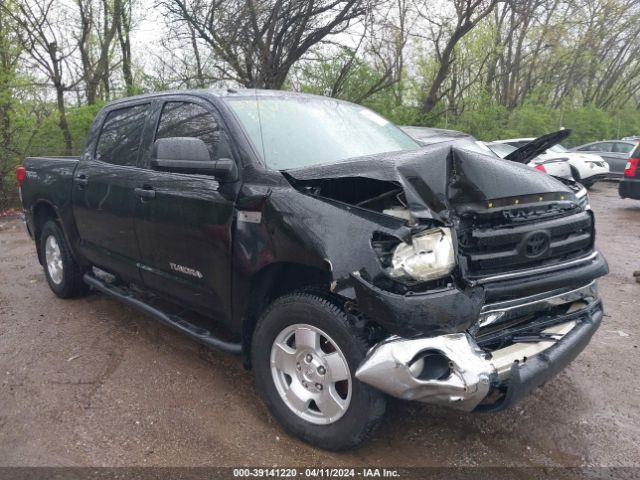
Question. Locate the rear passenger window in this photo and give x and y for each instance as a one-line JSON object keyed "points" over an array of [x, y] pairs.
{"points": [[121, 134], [621, 147], [183, 119]]}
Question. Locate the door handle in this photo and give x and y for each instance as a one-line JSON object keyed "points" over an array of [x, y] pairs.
{"points": [[145, 193], [81, 180]]}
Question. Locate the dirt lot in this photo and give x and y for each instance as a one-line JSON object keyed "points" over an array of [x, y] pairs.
{"points": [[93, 382]]}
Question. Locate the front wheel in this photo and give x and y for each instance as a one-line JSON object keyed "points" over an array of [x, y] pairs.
{"points": [[304, 355]]}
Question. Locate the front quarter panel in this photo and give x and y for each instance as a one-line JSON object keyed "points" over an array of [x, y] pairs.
{"points": [[301, 229], [295, 228]]}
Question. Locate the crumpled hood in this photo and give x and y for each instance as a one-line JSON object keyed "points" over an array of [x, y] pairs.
{"points": [[443, 177]]}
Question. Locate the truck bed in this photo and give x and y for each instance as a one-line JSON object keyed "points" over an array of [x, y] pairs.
{"points": [[49, 179]]}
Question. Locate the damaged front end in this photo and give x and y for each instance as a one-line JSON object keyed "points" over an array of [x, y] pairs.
{"points": [[493, 365], [486, 290]]}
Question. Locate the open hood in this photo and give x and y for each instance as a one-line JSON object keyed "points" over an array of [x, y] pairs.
{"points": [[528, 152], [436, 179]]}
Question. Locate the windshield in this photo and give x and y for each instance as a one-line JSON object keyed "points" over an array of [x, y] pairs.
{"points": [[295, 132], [501, 149], [558, 149]]}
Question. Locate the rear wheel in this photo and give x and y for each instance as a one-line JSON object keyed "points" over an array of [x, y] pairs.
{"points": [[63, 273], [304, 354]]}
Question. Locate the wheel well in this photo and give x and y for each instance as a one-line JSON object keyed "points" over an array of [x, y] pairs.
{"points": [[42, 213], [271, 283], [575, 173]]}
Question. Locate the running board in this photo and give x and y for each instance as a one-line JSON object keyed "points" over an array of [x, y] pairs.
{"points": [[199, 334]]}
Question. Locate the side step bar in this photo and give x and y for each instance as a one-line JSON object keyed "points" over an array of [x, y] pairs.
{"points": [[199, 334]]}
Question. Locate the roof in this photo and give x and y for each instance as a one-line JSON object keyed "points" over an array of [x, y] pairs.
{"points": [[220, 93], [508, 140]]}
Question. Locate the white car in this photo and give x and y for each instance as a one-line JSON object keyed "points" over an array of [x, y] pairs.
{"points": [[557, 167], [586, 168]]}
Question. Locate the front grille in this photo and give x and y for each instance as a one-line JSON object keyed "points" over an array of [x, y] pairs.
{"points": [[501, 248]]}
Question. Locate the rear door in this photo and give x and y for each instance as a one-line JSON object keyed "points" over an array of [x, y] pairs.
{"points": [[184, 231], [103, 198], [619, 156]]}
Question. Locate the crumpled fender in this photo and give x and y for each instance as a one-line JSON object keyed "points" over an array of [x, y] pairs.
{"points": [[448, 310]]}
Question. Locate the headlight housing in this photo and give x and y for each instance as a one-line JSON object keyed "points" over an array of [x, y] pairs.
{"points": [[429, 256], [583, 199]]}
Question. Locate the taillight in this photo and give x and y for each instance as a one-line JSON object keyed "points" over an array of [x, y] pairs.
{"points": [[632, 167], [540, 168], [21, 174]]}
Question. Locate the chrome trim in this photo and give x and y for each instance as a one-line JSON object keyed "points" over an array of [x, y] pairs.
{"points": [[392, 365], [388, 367], [535, 271], [492, 313]]}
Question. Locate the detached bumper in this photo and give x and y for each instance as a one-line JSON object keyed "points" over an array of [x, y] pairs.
{"points": [[527, 376], [453, 370]]}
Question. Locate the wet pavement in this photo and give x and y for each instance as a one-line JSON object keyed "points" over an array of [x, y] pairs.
{"points": [[94, 382]]}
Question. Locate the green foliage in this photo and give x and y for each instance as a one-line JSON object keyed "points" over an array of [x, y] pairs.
{"points": [[588, 124], [532, 120], [46, 138]]}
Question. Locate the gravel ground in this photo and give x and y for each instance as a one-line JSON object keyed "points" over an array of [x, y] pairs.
{"points": [[92, 382]]}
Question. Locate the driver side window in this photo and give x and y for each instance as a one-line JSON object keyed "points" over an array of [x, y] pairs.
{"points": [[185, 119]]}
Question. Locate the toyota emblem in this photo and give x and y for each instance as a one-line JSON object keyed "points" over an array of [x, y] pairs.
{"points": [[536, 244]]}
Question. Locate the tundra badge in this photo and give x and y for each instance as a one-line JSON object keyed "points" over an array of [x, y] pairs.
{"points": [[186, 270]]}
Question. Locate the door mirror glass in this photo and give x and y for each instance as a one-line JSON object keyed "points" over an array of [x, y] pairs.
{"points": [[189, 155]]}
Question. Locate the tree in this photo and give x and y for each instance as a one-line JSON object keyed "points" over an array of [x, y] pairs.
{"points": [[256, 42], [39, 33], [124, 26], [468, 13], [99, 23], [9, 58]]}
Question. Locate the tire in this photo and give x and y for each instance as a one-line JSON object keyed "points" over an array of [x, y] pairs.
{"points": [[301, 316], [63, 273]]}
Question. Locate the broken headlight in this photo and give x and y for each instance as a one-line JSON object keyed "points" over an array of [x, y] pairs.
{"points": [[429, 256]]}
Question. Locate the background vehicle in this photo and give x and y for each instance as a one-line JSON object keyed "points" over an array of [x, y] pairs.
{"points": [[614, 152], [586, 168], [428, 135], [629, 186], [558, 167], [342, 259]]}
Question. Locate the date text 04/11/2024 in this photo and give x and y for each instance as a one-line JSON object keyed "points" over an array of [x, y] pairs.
{"points": [[315, 472]]}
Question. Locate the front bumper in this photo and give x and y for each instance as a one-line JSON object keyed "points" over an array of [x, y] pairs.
{"points": [[454, 309], [477, 377], [629, 188], [595, 174]]}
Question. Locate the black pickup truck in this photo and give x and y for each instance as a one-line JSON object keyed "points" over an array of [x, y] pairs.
{"points": [[342, 259]]}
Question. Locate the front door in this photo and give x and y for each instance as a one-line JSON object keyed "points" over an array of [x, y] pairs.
{"points": [[104, 198], [184, 226]]}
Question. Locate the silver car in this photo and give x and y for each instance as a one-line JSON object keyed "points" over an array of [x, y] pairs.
{"points": [[614, 152]]}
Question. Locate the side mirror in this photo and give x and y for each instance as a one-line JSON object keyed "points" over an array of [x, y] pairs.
{"points": [[189, 155]]}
